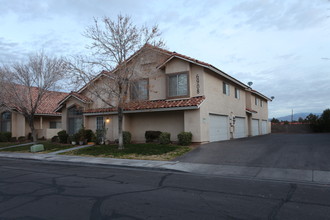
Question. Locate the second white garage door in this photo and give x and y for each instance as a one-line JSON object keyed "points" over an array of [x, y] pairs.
{"points": [[239, 128], [264, 127], [218, 129], [255, 127]]}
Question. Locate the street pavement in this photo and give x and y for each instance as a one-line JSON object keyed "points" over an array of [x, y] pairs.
{"points": [[39, 189]]}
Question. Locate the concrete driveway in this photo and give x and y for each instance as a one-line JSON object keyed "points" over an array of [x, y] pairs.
{"points": [[289, 151]]}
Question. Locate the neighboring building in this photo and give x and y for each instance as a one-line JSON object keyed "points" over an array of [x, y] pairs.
{"points": [[186, 95], [47, 122]]}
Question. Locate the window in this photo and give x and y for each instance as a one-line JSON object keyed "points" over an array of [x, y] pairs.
{"points": [[75, 120], [54, 124], [139, 90], [5, 122], [237, 93], [256, 101], [225, 88], [178, 85], [261, 103], [99, 123]]}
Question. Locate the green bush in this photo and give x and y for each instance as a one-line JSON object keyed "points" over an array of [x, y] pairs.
{"points": [[185, 138], [127, 137], [63, 136], [89, 134], [2, 137], [5, 136], [152, 136], [21, 139], [165, 138], [55, 139]]}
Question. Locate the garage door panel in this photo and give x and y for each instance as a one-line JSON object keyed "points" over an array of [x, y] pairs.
{"points": [[239, 131], [218, 127], [255, 127], [264, 127]]}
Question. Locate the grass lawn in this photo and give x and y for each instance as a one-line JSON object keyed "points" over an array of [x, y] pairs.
{"points": [[133, 151], [49, 147], [6, 144]]}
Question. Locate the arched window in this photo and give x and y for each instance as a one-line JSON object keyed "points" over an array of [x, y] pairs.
{"points": [[75, 120], [5, 122]]}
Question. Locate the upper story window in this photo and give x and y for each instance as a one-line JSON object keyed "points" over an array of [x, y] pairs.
{"points": [[178, 85], [257, 101], [225, 88], [139, 89], [237, 93], [261, 103]]}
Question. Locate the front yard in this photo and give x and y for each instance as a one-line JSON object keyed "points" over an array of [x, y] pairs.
{"points": [[133, 151], [49, 147]]}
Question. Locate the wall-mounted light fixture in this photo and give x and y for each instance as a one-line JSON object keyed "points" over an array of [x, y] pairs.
{"points": [[107, 120]]}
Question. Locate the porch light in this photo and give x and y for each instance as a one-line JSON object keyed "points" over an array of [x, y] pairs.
{"points": [[107, 120]]}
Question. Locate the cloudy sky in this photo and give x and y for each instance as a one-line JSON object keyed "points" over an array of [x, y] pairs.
{"points": [[283, 47]]}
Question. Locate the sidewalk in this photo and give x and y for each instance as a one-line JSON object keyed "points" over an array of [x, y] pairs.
{"points": [[295, 175]]}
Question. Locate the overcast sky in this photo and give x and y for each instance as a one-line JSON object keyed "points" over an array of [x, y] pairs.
{"points": [[283, 47]]}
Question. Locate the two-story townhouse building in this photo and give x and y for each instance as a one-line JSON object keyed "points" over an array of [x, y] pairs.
{"points": [[182, 94]]}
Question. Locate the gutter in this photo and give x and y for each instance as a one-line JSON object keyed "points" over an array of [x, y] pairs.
{"points": [[146, 110]]}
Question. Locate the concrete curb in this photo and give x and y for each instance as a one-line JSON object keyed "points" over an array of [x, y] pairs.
{"points": [[261, 173]]}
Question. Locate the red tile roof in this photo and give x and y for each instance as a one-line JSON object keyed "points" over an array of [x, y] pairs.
{"points": [[154, 104], [47, 104], [81, 97], [250, 110]]}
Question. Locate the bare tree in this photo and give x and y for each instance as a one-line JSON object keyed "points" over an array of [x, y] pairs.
{"points": [[118, 47], [25, 84]]}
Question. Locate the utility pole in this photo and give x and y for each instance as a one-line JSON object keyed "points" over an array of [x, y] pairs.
{"points": [[292, 116]]}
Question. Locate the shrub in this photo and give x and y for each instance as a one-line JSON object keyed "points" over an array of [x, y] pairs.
{"points": [[185, 138], [21, 138], [7, 135], [165, 138], [2, 137], [88, 135], [152, 136], [13, 139], [63, 136], [127, 137], [55, 139]]}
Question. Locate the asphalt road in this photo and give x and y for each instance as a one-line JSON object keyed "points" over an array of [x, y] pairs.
{"points": [[40, 190], [291, 151]]}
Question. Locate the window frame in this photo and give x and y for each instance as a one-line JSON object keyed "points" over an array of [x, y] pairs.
{"points": [[136, 97], [72, 117], [56, 124], [225, 88], [237, 93], [256, 102], [97, 123], [5, 122], [168, 85]]}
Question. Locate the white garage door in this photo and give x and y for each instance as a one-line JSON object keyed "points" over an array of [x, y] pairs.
{"points": [[255, 127], [218, 128], [239, 128], [264, 127]]}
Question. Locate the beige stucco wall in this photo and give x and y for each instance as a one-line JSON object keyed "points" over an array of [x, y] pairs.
{"points": [[111, 127], [139, 123], [18, 125], [218, 103]]}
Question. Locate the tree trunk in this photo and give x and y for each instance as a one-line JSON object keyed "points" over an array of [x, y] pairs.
{"points": [[31, 125], [120, 128]]}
